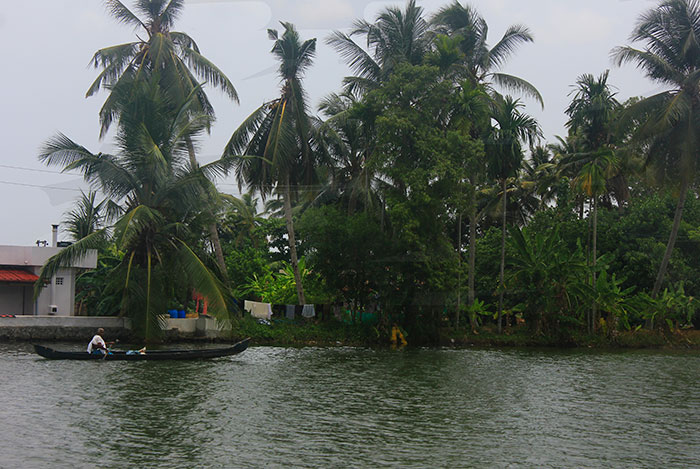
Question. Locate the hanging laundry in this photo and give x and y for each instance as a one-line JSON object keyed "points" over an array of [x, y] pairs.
{"points": [[308, 311], [289, 311], [258, 310]]}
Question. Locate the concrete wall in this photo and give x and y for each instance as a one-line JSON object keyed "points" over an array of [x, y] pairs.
{"points": [[82, 328], [63, 328]]}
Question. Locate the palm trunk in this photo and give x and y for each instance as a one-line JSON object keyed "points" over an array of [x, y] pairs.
{"points": [[589, 312], [671, 239], [292, 243], [213, 232], [594, 309], [503, 262], [459, 270], [216, 243], [472, 262]]}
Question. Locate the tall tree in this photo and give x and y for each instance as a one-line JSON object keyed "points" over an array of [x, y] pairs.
{"points": [[271, 150], [346, 139], [396, 36], [479, 61], [504, 150], [471, 117], [591, 114], [671, 33], [172, 56], [160, 196]]}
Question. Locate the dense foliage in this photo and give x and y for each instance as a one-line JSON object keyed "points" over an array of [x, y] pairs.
{"points": [[419, 190]]}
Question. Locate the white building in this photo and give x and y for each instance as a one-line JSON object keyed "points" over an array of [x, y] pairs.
{"points": [[19, 269]]}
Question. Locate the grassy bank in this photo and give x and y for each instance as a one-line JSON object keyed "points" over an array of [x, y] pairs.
{"points": [[331, 333], [524, 338]]}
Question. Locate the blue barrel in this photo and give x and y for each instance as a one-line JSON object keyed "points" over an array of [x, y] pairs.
{"points": [[172, 313], [181, 314]]}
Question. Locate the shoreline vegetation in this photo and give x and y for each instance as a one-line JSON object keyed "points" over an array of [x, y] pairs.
{"points": [[339, 334], [422, 188]]}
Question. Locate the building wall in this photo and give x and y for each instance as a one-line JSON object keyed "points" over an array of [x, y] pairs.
{"points": [[29, 256], [33, 259], [64, 294], [16, 299]]}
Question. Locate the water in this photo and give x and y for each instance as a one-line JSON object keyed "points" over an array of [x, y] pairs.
{"points": [[354, 407]]}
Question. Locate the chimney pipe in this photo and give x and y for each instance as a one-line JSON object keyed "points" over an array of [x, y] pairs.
{"points": [[54, 235]]}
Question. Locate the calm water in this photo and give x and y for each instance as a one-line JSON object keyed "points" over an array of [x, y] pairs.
{"points": [[350, 407]]}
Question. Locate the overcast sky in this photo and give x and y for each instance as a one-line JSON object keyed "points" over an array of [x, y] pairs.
{"points": [[47, 44]]}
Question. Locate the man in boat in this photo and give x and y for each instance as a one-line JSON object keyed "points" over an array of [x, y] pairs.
{"points": [[97, 344]]}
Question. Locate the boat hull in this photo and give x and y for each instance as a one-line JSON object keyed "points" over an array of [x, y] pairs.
{"points": [[236, 348]]}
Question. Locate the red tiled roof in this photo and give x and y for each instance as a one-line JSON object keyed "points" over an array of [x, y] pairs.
{"points": [[17, 276]]}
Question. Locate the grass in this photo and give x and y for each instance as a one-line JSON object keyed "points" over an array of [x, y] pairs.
{"points": [[331, 333]]}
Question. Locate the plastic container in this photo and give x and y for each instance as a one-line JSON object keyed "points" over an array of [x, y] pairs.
{"points": [[181, 314], [172, 313]]}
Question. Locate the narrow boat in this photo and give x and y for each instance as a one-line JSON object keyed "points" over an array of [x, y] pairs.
{"points": [[52, 354]]}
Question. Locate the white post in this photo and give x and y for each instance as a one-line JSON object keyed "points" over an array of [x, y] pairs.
{"points": [[52, 289]]}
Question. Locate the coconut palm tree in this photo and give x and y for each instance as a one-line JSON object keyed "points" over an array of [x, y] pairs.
{"points": [[504, 151], [671, 33], [346, 140], [160, 196], [479, 61], [173, 56], [275, 140], [87, 217], [396, 36]]}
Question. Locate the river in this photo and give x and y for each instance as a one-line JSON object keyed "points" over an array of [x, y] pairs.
{"points": [[354, 407]]}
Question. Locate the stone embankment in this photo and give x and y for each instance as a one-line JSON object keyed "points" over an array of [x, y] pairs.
{"points": [[78, 328]]}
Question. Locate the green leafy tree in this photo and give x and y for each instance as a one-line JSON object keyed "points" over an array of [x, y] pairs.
{"points": [[550, 278], [420, 156]]}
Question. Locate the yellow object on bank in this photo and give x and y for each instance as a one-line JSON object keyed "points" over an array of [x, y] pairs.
{"points": [[397, 336]]}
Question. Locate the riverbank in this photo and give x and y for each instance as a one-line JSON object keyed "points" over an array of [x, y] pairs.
{"points": [[658, 339], [328, 333], [334, 333]]}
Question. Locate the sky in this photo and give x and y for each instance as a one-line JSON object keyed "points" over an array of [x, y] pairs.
{"points": [[47, 46]]}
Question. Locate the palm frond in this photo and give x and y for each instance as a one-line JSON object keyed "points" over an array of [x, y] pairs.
{"points": [[513, 37], [204, 68], [517, 84], [122, 14]]}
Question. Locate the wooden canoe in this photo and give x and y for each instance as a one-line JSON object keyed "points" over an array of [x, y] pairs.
{"points": [[52, 354]]}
